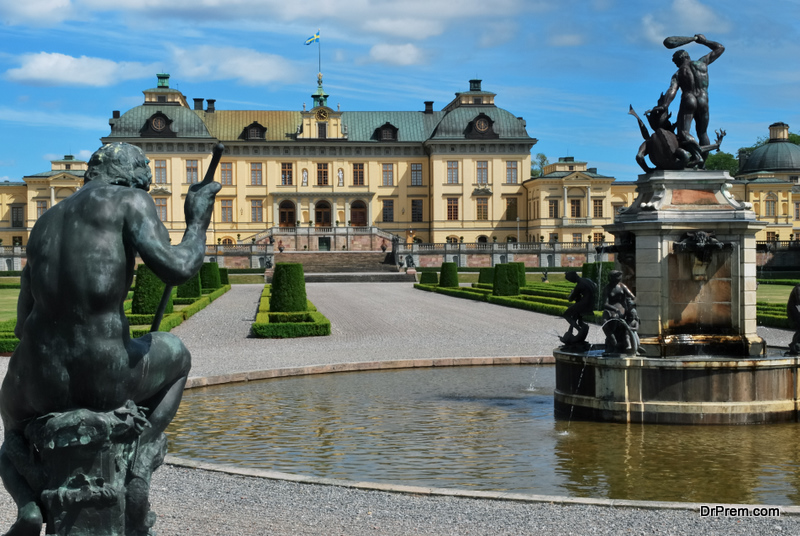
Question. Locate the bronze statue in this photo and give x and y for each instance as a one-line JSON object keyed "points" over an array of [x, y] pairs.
{"points": [[584, 295], [78, 387], [793, 313], [672, 146], [620, 319]]}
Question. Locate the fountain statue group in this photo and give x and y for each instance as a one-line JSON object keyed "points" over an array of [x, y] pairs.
{"points": [[620, 320], [84, 406]]}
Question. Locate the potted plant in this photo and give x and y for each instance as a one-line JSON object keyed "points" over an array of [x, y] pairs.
{"points": [[337, 223], [298, 223], [219, 241], [253, 240]]}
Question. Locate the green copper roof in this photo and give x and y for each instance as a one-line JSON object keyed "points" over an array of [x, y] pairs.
{"points": [[185, 122], [411, 126], [777, 155], [454, 123]]}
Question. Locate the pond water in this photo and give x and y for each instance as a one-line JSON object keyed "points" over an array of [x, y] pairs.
{"points": [[482, 428]]}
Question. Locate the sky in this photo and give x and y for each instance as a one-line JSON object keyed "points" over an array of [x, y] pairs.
{"points": [[570, 68]]}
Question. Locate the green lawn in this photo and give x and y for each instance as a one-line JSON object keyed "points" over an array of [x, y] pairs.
{"points": [[774, 293], [8, 304]]}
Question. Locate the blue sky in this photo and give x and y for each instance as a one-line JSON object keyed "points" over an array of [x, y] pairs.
{"points": [[570, 68]]}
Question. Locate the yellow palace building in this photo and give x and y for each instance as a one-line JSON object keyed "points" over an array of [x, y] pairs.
{"points": [[321, 178]]}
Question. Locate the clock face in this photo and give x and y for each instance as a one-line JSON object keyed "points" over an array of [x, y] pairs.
{"points": [[482, 125], [322, 115], [159, 124]]}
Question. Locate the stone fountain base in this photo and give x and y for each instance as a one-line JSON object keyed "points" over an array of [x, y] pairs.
{"points": [[676, 390]]}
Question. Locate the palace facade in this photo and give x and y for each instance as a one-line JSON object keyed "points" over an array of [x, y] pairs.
{"points": [[459, 174]]}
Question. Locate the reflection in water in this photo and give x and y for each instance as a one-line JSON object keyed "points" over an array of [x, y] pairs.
{"points": [[488, 428]]}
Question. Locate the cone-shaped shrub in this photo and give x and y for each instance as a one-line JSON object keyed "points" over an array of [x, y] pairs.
{"points": [[486, 276], [223, 277], [191, 289], [520, 266], [449, 275], [506, 280], [209, 276], [428, 278], [148, 292], [288, 289]]}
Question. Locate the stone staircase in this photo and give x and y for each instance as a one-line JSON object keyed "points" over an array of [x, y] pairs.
{"points": [[345, 266]]}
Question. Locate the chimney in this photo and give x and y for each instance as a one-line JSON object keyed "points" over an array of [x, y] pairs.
{"points": [[428, 106], [474, 85], [198, 104], [778, 131], [592, 170], [115, 114], [211, 108]]}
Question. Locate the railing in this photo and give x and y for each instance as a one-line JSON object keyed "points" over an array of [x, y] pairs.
{"points": [[502, 247]]}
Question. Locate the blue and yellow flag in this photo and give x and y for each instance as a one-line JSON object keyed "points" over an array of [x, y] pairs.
{"points": [[313, 38]]}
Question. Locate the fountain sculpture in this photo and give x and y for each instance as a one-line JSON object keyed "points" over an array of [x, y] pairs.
{"points": [[687, 252]]}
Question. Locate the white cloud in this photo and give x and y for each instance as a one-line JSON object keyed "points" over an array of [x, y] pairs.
{"points": [[44, 118], [403, 55], [497, 33], [35, 12], [405, 28], [684, 17], [55, 69], [248, 66], [566, 40]]}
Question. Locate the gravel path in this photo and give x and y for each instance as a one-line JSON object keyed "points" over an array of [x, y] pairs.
{"points": [[373, 321]]}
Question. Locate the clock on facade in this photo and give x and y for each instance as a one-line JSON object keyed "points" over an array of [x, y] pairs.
{"points": [[482, 125], [322, 114], [159, 124]]}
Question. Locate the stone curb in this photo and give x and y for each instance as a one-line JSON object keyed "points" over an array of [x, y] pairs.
{"points": [[465, 494], [238, 377]]}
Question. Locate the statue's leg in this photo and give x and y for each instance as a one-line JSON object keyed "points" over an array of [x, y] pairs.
{"points": [[29, 514]]}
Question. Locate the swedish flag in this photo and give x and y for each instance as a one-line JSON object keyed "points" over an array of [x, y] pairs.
{"points": [[313, 38]]}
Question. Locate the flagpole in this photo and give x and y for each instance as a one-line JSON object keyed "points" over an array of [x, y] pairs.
{"points": [[319, 51]]}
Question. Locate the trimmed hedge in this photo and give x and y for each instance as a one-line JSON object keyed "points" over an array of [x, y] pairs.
{"points": [[520, 266], [223, 276], [506, 280], [288, 289], [191, 289], [283, 325], [148, 292], [448, 276], [486, 276], [209, 276], [429, 278]]}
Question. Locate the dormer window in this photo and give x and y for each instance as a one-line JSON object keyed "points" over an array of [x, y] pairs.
{"points": [[159, 125], [481, 127], [477, 100], [387, 132], [254, 131]]}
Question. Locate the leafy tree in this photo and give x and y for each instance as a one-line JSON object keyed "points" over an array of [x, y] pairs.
{"points": [[723, 161], [539, 162]]}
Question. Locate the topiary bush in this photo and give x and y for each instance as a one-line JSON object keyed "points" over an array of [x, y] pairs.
{"points": [[486, 276], [506, 280], [288, 290], [520, 266], [449, 275], [148, 292], [209, 276], [191, 289], [428, 278], [223, 277]]}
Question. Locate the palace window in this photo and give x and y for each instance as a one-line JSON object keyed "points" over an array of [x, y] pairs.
{"points": [[416, 174], [17, 217], [322, 128], [575, 208], [511, 172], [256, 210], [287, 174], [41, 208], [597, 238], [511, 209], [452, 208], [254, 133], [597, 205], [797, 210], [482, 208], [552, 209], [191, 171], [452, 172], [322, 174], [416, 210], [161, 172], [577, 237], [358, 174], [255, 174], [388, 175], [161, 208], [388, 210], [770, 205], [226, 210], [483, 172], [772, 236], [226, 173]]}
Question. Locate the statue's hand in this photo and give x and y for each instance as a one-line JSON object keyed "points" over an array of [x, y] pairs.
{"points": [[200, 202], [700, 38]]}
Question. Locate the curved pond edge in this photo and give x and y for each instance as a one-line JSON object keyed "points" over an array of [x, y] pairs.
{"points": [[239, 377]]}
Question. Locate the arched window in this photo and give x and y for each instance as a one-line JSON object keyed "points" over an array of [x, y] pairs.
{"points": [[286, 213], [483, 239], [771, 205], [452, 239], [227, 241]]}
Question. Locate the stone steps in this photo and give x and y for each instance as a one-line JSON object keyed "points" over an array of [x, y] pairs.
{"points": [[339, 262]]}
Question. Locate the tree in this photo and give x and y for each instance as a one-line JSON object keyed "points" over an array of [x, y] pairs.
{"points": [[539, 162], [723, 161]]}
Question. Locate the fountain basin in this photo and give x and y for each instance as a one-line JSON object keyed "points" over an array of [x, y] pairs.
{"points": [[675, 390]]}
